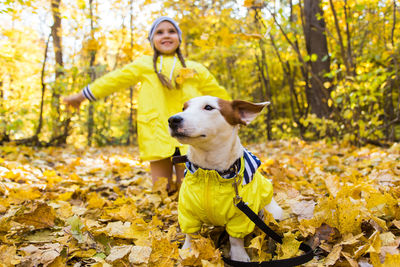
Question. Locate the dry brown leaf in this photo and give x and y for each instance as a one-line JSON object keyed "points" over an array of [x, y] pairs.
{"points": [[45, 254], [304, 209], [333, 256], [350, 260], [39, 215], [8, 255], [140, 255], [118, 252]]}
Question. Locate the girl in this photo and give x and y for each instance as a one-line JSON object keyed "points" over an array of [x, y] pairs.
{"points": [[167, 82]]}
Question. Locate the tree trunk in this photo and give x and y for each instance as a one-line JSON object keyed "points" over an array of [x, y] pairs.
{"points": [[316, 44], [3, 129], [263, 68], [131, 128], [92, 73], [39, 127], [392, 117], [341, 42], [56, 33], [388, 107], [349, 47]]}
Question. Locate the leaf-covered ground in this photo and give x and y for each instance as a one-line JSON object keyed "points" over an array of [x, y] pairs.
{"points": [[97, 207]]}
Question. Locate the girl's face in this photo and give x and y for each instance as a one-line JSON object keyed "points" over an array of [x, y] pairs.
{"points": [[166, 39]]}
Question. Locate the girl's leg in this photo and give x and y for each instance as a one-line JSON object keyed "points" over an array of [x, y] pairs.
{"points": [[161, 168], [179, 171]]}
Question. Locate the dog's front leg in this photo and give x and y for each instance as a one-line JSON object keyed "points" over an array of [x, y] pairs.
{"points": [[274, 208], [238, 253], [188, 242]]}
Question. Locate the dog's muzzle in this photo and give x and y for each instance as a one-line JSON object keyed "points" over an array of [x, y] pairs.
{"points": [[174, 122]]}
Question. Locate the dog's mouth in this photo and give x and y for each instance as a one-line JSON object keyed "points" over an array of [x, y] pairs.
{"points": [[184, 135]]}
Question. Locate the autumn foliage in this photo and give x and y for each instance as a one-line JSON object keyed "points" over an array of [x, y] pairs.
{"points": [[98, 207], [66, 198], [329, 68]]}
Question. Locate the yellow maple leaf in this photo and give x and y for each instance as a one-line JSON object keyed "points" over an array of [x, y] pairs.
{"points": [[375, 260], [83, 253], [140, 231], [126, 212], [227, 38], [392, 260], [184, 74], [289, 247], [164, 252], [202, 249], [64, 210], [349, 216], [75, 177], [8, 256], [257, 243], [65, 196], [160, 186], [95, 201], [206, 263], [22, 194], [333, 256], [375, 243], [40, 215]]}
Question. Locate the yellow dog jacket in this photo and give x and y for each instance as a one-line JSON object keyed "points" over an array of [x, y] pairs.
{"points": [[206, 197]]}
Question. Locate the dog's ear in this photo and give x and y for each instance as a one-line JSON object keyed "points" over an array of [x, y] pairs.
{"points": [[247, 111]]}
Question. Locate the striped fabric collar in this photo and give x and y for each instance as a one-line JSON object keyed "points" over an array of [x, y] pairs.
{"points": [[251, 164]]}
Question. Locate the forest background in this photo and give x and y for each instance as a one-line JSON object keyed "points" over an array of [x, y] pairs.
{"points": [[330, 68]]}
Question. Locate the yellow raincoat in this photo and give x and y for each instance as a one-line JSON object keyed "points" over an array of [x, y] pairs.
{"points": [[157, 103], [206, 197]]}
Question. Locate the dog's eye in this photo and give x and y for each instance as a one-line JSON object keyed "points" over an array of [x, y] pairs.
{"points": [[208, 107]]}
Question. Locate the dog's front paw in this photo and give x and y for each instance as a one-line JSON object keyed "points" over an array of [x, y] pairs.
{"points": [[275, 210], [188, 243], [237, 255], [237, 252]]}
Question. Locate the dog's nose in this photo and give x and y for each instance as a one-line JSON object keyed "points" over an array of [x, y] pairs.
{"points": [[174, 121]]}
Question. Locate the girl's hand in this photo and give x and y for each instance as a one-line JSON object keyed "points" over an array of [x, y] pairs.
{"points": [[74, 100]]}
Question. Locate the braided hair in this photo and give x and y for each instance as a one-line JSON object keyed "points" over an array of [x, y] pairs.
{"points": [[163, 79]]}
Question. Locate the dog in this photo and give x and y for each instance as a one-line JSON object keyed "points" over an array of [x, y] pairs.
{"points": [[209, 125]]}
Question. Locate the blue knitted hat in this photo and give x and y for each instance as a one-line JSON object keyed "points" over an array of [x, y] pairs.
{"points": [[157, 22]]}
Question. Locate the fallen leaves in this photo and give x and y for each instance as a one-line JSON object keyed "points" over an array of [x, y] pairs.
{"points": [[65, 206], [38, 215], [202, 251]]}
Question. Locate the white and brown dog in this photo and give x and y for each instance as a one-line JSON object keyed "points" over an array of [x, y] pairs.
{"points": [[209, 125]]}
